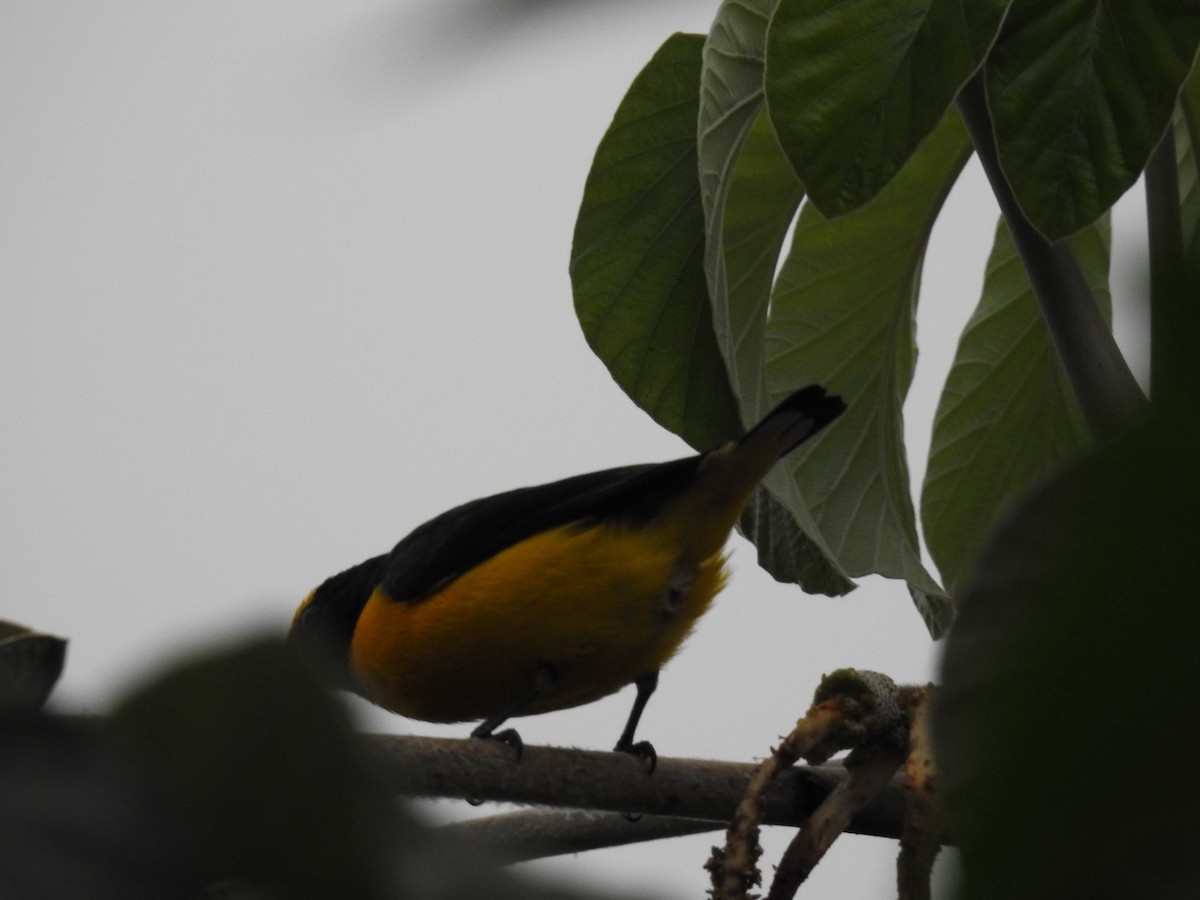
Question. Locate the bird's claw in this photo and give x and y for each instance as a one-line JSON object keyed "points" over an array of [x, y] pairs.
{"points": [[507, 736], [642, 750]]}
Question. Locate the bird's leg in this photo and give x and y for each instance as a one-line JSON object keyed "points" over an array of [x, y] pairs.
{"points": [[543, 683], [645, 687]]}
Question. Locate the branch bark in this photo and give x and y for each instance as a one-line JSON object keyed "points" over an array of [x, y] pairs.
{"points": [[538, 833], [614, 782], [921, 839]]}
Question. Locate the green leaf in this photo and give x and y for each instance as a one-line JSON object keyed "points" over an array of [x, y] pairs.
{"points": [[754, 208], [843, 315], [1064, 725], [30, 666], [265, 762], [637, 262], [759, 205], [750, 198], [749, 191], [1080, 92], [785, 552], [855, 86], [1007, 417]]}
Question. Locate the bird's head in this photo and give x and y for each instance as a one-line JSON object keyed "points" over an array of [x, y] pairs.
{"points": [[323, 624]]}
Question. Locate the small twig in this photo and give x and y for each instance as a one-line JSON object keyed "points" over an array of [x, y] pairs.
{"points": [[921, 837], [878, 731], [848, 708], [873, 767], [735, 869]]}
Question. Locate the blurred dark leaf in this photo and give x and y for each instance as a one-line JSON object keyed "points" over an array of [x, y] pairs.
{"points": [[30, 665], [1067, 714], [234, 776], [80, 821], [264, 761]]}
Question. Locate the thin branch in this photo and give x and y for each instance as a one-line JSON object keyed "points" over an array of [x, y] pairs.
{"points": [[1107, 392], [850, 708], [876, 726], [735, 868], [866, 779], [921, 838]]}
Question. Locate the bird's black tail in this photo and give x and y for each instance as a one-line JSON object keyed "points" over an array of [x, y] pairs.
{"points": [[729, 475], [800, 416]]}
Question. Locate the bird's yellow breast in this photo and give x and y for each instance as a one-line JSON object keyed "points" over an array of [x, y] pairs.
{"points": [[601, 606]]}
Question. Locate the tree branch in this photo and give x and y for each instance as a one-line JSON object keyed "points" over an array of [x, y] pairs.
{"points": [[615, 782]]}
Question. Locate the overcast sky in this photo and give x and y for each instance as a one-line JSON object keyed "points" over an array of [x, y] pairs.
{"points": [[282, 280]]}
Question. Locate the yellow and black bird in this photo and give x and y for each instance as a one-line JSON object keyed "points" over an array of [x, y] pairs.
{"points": [[553, 596]]}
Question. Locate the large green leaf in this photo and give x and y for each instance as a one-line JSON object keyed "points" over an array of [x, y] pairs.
{"points": [[754, 209], [745, 227], [855, 86], [843, 314], [1007, 416], [1064, 726], [758, 210], [1080, 92], [750, 197], [637, 262]]}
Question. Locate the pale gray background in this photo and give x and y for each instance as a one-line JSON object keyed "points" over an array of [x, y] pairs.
{"points": [[281, 280]]}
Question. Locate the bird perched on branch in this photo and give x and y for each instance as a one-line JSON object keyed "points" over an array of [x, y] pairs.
{"points": [[548, 597]]}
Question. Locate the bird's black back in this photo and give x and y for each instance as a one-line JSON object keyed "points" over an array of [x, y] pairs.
{"points": [[461, 538]]}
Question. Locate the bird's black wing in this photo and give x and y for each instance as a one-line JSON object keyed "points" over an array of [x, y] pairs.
{"points": [[461, 538]]}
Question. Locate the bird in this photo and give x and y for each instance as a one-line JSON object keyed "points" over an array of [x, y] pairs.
{"points": [[548, 597]]}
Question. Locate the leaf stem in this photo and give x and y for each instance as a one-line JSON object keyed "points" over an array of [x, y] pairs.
{"points": [[1107, 392], [1173, 313]]}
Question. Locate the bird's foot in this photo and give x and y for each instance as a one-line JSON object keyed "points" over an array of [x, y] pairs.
{"points": [[642, 750], [507, 736]]}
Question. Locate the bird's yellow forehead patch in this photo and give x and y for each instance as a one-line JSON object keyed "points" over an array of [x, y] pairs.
{"points": [[303, 606]]}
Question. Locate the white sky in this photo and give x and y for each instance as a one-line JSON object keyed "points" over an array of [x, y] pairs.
{"points": [[281, 280]]}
